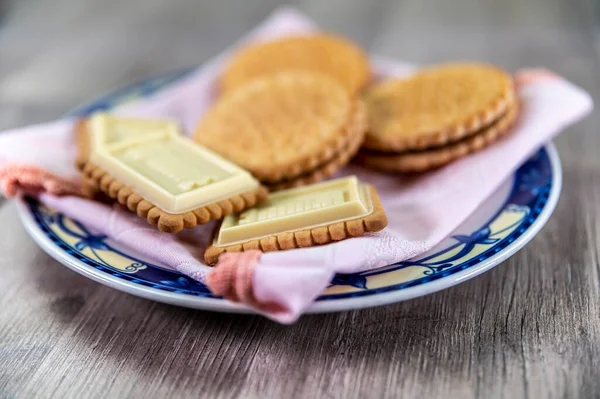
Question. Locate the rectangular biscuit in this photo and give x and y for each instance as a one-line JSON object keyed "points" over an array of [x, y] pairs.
{"points": [[302, 217], [163, 177]]}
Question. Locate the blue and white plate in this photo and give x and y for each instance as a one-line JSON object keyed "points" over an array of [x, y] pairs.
{"points": [[500, 227]]}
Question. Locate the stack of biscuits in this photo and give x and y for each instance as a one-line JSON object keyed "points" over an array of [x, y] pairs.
{"points": [[290, 112], [440, 114], [294, 111]]}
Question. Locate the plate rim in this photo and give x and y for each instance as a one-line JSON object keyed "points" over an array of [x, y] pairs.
{"points": [[334, 305]]}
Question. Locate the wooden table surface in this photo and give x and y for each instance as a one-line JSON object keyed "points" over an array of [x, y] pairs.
{"points": [[528, 328]]}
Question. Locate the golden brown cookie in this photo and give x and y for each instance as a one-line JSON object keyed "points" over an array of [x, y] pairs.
{"points": [[438, 105], [323, 171], [329, 54], [375, 221], [282, 126], [421, 161], [82, 142], [96, 181]]}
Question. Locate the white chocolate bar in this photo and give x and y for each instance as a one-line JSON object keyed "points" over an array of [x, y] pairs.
{"points": [[158, 163], [296, 209]]}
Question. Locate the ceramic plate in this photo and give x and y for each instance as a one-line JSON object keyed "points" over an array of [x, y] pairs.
{"points": [[500, 227]]}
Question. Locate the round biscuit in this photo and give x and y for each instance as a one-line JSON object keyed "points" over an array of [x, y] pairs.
{"points": [[332, 55], [280, 126], [438, 105], [422, 161], [330, 167]]}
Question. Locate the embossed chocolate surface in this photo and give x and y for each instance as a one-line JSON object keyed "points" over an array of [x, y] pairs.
{"points": [[175, 167], [164, 167], [301, 208], [123, 130]]}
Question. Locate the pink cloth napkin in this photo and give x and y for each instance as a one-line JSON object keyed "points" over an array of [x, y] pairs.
{"points": [[281, 285]]}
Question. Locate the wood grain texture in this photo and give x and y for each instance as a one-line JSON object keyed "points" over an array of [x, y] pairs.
{"points": [[528, 328]]}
